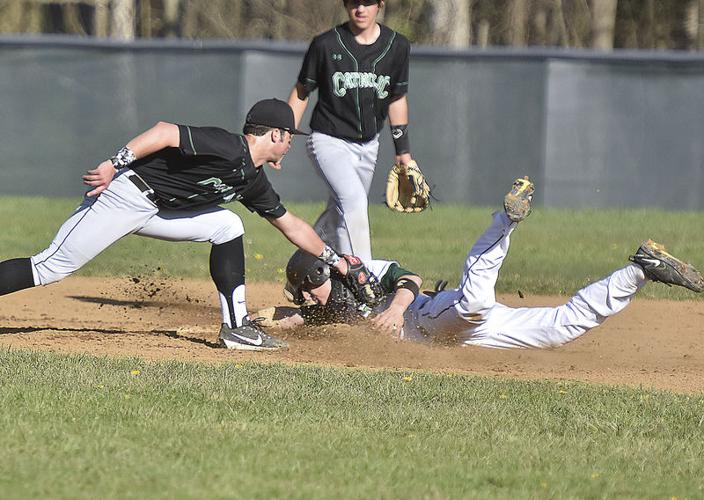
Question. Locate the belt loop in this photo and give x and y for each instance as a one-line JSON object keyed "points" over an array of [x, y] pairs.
{"points": [[142, 186]]}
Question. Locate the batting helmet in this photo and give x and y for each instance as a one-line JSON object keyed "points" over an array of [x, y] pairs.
{"points": [[304, 272]]}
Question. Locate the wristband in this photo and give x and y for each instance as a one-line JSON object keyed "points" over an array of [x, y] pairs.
{"points": [[409, 285], [329, 256], [399, 133], [123, 158]]}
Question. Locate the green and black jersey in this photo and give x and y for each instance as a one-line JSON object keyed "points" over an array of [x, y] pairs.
{"points": [[210, 167], [355, 83]]}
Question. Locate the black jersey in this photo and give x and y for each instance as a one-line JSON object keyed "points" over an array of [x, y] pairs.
{"points": [[211, 166], [356, 83]]}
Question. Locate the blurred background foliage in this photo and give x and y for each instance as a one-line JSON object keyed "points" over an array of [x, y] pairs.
{"points": [[598, 24]]}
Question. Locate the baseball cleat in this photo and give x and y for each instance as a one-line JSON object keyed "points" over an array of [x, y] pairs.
{"points": [[249, 337], [658, 265], [517, 202]]}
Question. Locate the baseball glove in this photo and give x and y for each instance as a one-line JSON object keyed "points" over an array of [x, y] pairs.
{"points": [[363, 284], [406, 189]]}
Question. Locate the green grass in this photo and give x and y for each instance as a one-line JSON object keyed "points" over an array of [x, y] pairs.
{"points": [[553, 252], [85, 427]]}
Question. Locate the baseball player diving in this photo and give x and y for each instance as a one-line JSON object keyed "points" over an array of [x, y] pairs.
{"points": [[167, 183], [469, 314]]}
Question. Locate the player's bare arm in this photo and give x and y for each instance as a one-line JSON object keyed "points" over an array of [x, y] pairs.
{"points": [[301, 234], [398, 115], [298, 100], [391, 319], [282, 318], [160, 136]]}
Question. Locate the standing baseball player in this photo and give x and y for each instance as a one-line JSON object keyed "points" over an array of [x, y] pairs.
{"points": [[360, 69], [167, 183], [470, 314]]}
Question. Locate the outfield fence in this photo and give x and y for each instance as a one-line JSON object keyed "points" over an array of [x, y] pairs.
{"points": [[594, 130]]}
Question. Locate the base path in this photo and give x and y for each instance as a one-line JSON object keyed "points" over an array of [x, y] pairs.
{"points": [[653, 344]]}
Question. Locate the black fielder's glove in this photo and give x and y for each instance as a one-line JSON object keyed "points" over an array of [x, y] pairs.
{"points": [[407, 191], [363, 284]]}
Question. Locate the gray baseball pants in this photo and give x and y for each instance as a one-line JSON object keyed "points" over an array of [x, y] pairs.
{"points": [[123, 209], [347, 168]]}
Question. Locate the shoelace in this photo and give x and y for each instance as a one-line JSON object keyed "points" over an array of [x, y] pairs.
{"points": [[257, 323]]}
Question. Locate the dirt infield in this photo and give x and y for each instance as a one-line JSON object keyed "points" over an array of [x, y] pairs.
{"points": [[654, 344]]}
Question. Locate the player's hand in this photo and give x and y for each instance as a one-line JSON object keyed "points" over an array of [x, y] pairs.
{"points": [[404, 159], [361, 282], [99, 178], [342, 267], [390, 320]]}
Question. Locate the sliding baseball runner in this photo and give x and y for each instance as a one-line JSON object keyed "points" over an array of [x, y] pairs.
{"points": [[470, 314]]}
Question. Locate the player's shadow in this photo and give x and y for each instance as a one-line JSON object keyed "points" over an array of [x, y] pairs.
{"points": [[196, 340], [10, 330], [14, 330], [115, 302]]}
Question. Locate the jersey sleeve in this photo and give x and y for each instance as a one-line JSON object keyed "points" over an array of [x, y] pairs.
{"points": [[211, 141], [388, 273], [400, 86], [311, 67], [261, 198]]}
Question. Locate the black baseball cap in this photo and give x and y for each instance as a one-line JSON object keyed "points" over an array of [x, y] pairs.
{"points": [[273, 113], [362, 2]]}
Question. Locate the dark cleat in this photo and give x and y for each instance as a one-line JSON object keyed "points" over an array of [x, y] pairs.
{"points": [[658, 265], [249, 337]]}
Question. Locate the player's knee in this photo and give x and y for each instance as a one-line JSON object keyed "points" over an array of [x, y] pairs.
{"points": [[475, 308], [230, 227], [50, 272], [357, 202], [475, 318], [354, 210], [557, 336]]}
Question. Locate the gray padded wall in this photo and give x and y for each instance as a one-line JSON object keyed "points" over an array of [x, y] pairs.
{"points": [[476, 124], [66, 109], [593, 130], [624, 135]]}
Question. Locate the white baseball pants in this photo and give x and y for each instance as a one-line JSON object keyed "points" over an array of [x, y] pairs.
{"points": [[120, 210], [347, 168], [470, 314]]}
